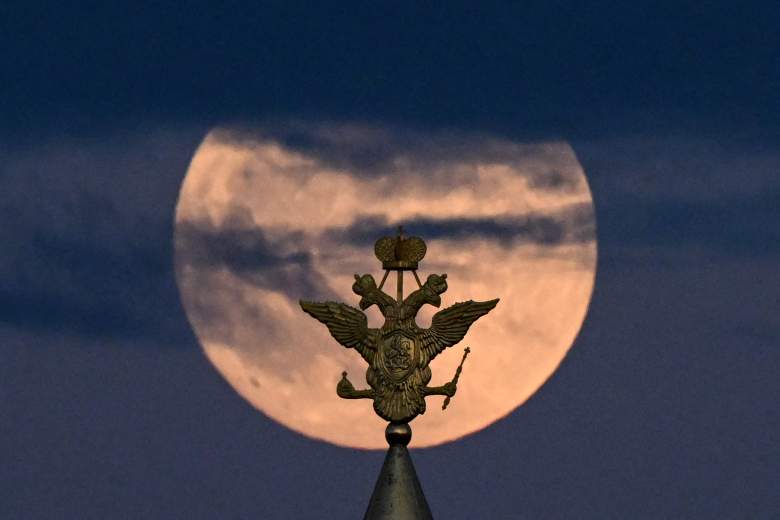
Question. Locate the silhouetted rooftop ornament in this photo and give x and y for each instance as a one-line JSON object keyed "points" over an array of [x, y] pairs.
{"points": [[398, 355]]}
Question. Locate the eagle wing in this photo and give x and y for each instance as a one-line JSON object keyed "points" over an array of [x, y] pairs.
{"points": [[346, 324], [450, 325]]}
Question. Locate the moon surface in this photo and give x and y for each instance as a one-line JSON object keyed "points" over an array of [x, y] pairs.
{"points": [[266, 217]]}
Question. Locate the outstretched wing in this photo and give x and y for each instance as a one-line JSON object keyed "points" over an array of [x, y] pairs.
{"points": [[347, 324], [450, 325]]}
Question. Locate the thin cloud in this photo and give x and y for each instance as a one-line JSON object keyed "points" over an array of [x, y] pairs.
{"points": [[87, 237], [373, 151], [572, 225], [278, 263]]}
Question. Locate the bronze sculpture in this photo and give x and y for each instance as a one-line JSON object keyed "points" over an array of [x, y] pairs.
{"points": [[398, 353]]}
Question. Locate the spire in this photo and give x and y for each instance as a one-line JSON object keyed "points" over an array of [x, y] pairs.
{"points": [[398, 494]]}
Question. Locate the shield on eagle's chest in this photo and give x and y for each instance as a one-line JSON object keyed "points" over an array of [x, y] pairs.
{"points": [[398, 354]]}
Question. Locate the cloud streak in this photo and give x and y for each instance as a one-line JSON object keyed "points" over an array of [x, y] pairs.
{"points": [[572, 225], [370, 151], [280, 263], [87, 237]]}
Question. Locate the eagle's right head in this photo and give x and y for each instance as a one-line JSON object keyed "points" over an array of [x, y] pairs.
{"points": [[434, 286]]}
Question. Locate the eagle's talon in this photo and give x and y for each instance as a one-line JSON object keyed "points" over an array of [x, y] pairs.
{"points": [[346, 390], [449, 389]]}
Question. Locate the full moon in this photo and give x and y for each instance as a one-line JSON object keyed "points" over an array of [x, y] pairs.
{"points": [[267, 217]]}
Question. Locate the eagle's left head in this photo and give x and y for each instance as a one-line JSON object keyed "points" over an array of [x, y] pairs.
{"points": [[365, 286]]}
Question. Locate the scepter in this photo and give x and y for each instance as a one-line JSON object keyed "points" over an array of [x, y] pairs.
{"points": [[457, 375]]}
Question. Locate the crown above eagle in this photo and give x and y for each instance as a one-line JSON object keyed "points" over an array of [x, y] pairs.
{"points": [[400, 253]]}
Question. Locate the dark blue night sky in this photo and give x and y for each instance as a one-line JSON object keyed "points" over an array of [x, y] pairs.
{"points": [[667, 405]]}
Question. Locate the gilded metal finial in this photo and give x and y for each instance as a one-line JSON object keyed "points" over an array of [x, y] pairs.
{"points": [[399, 352]]}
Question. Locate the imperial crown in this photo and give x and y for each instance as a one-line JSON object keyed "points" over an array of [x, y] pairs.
{"points": [[400, 253]]}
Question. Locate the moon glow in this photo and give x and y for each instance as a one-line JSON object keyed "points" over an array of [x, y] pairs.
{"points": [[263, 221]]}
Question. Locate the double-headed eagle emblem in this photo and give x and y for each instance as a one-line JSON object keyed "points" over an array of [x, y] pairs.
{"points": [[398, 353]]}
